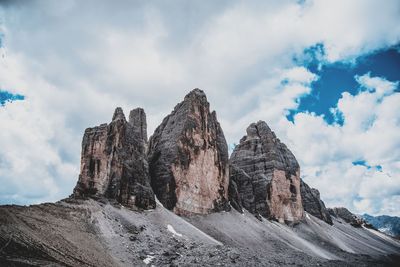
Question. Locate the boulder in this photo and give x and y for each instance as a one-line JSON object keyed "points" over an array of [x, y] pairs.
{"points": [[188, 158], [266, 175], [114, 161]]}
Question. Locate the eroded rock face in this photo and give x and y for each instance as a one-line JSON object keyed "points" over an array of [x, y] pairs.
{"points": [[266, 175], [313, 204], [188, 158], [114, 162]]}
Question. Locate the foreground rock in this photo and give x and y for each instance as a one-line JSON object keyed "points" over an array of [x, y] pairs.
{"points": [[188, 158], [114, 162], [78, 232], [313, 204], [266, 176]]}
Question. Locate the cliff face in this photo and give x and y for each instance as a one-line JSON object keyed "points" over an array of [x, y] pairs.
{"points": [[266, 176], [114, 162], [188, 158], [313, 204]]}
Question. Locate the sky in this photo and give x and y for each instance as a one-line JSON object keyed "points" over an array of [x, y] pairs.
{"points": [[323, 74]]}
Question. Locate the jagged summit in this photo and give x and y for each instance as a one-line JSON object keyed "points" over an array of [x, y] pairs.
{"points": [[266, 176], [119, 114], [188, 157], [196, 94], [114, 162]]}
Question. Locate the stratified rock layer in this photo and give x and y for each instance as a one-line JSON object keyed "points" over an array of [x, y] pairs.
{"points": [[188, 158], [313, 204], [266, 176], [114, 162]]}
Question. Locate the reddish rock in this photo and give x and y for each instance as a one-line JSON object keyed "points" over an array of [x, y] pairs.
{"points": [[114, 162], [188, 158]]}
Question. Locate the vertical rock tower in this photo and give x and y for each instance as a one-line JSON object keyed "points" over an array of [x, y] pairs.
{"points": [[265, 176], [114, 162], [188, 158]]}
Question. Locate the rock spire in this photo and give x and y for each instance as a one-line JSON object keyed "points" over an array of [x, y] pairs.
{"points": [[114, 161]]}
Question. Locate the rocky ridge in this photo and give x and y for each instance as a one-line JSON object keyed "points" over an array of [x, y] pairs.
{"points": [[186, 164], [347, 216]]}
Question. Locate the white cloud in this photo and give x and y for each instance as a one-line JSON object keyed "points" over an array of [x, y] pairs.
{"points": [[77, 61], [369, 133]]}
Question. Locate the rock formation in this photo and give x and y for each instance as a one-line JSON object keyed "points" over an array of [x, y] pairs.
{"points": [[266, 176], [313, 204], [114, 162], [347, 216], [188, 158]]}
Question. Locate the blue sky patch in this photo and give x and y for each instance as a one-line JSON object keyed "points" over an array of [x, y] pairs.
{"points": [[365, 164], [361, 163], [9, 97], [340, 77]]}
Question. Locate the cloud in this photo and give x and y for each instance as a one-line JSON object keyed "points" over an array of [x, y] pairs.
{"points": [[76, 61], [338, 159]]}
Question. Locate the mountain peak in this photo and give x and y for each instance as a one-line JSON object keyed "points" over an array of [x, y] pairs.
{"points": [[196, 94], [266, 176], [188, 157], [118, 114]]}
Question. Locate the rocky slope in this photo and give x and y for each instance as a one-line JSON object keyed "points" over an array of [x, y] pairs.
{"points": [[114, 161], [313, 204], [102, 233], [265, 176], [188, 158]]}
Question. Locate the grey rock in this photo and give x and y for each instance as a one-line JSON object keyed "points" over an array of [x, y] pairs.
{"points": [[266, 175], [77, 232], [114, 162], [313, 204], [347, 216], [137, 118], [188, 158]]}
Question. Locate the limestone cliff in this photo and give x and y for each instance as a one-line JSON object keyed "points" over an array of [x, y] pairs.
{"points": [[266, 176], [114, 162], [313, 204], [188, 158]]}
